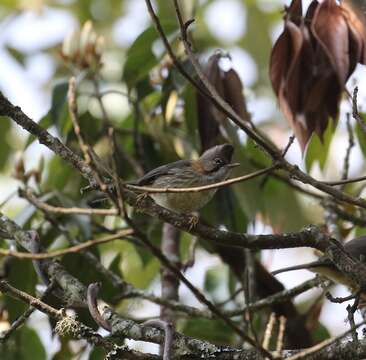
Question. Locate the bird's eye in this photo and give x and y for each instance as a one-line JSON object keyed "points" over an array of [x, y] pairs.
{"points": [[218, 161]]}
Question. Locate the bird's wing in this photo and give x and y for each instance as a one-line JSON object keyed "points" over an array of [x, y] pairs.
{"points": [[356, 247], [150, 177]]}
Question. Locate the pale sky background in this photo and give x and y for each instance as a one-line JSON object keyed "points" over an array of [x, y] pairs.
{"points": [[27, 87]]}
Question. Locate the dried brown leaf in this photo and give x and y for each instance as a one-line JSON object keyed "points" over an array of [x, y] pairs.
{"points": [[295, 77], [311, 11], [294, 12], [233, 93], [356, 22], [330, 29]]}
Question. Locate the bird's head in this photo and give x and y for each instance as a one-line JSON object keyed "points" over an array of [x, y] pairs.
{"points": [[216, 161]]}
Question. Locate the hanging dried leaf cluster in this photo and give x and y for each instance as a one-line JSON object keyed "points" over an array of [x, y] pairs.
{"points": [[229, 86], [312, 60]]}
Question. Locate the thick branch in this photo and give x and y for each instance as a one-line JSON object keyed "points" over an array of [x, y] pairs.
{"points": [[75, 292], [69, 326]]}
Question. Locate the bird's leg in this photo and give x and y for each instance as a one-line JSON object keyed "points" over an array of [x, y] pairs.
{"points": [[351, 309], [193, 221], [140, 198]]}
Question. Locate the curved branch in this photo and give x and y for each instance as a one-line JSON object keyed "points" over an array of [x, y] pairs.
{"points": [[168, 331], [92, 298]]}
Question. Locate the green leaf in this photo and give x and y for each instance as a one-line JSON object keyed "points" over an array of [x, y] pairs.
{"points": [[64, 352], [23, 345], [59, 108], [115, 265], [59, 174], [214, 331], [58, 113], [253, 151], [31, 347], [17, 55], [140, 57], [318, 150], [59, 96], [283, 207], [360, 231], [216, 281], [97, 354], [320, 333], [22, 276]]}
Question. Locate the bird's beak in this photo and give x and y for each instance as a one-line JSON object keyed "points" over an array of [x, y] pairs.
{"points": [[233, 165]]}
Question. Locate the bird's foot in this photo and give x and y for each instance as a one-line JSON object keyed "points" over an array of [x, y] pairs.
{"points": [[193, 221], [140, 198]]}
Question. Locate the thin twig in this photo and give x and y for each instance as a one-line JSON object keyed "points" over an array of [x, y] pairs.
{"points": [[346, 181], [212, 94], [203, 188], [21, 319], [281, 336], [231, 297], [5, 288], [29, 195], [277, 298], [268, 332], [71, 95], [250, 290], [170, 51], [67, 325], [355, 114], [72, 249], [351, 309], [322, 345], [345, 215], [93, 260], [351, 144], [198, 294], [290, 142], [88, 153]]}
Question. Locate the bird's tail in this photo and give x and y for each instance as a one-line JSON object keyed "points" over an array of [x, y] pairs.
{"points": [[310, 265]]}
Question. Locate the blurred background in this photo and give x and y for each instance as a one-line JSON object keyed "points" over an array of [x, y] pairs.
{"points": [[154, 112]]}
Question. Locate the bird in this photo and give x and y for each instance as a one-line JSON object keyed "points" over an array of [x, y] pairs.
{"points": [[324, 266], [212, 166]]}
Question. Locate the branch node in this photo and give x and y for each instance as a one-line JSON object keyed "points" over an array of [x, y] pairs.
{"points": [[186, 26]]}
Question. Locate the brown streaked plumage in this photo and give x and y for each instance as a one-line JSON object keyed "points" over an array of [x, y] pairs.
{"points": [[213, 166]]}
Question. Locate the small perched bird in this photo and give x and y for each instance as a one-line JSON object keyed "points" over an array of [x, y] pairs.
{"points": [[213, 166], [324, 266]]}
